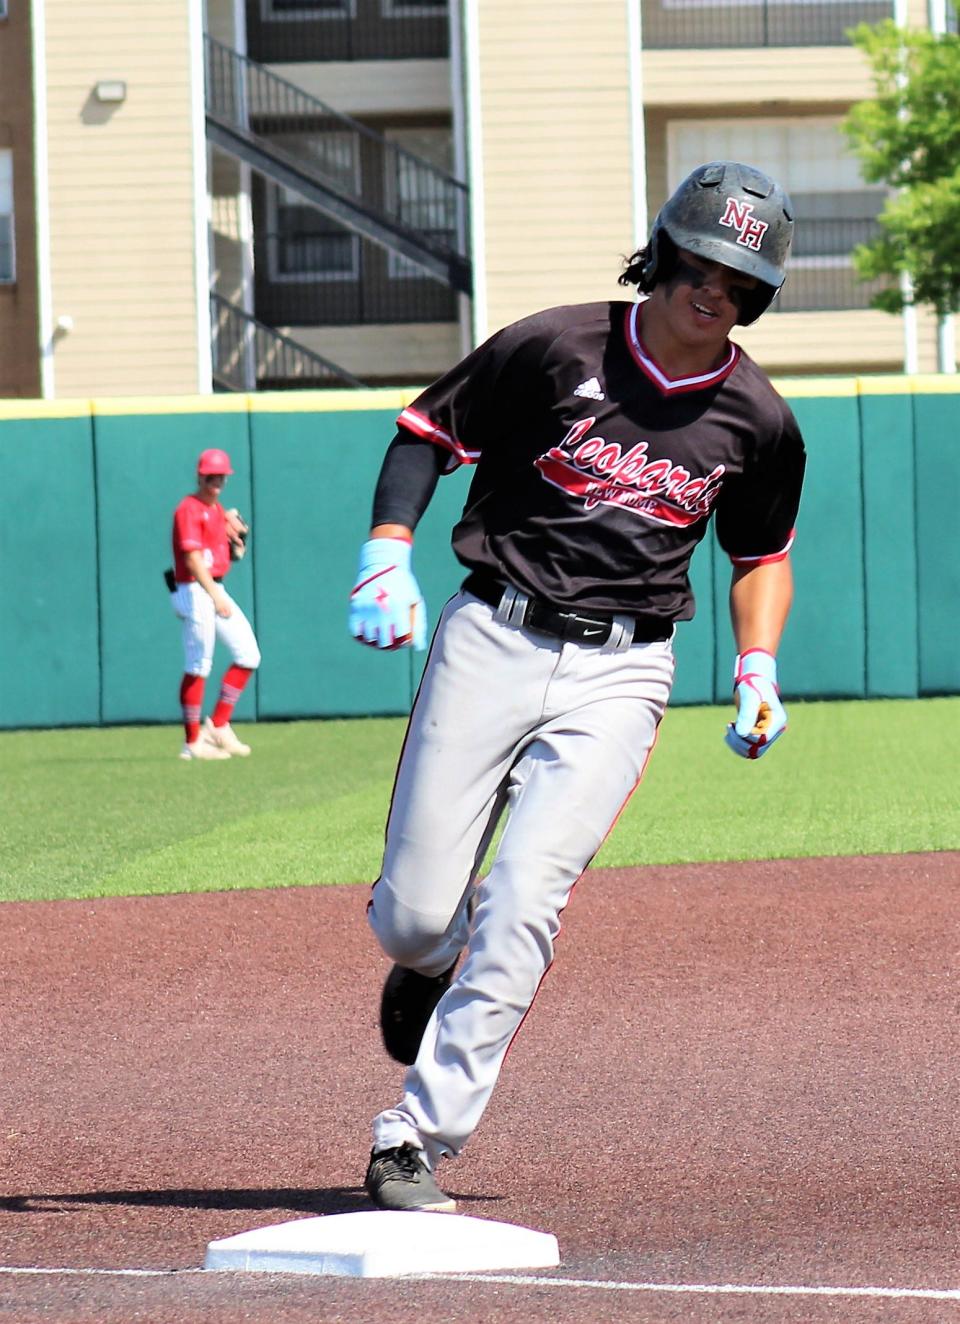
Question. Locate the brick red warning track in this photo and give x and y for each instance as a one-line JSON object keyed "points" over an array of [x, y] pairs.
{"points": [[742, 1073]]}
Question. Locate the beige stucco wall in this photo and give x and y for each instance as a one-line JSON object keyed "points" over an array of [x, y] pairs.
{"points": [[414, 352], [554, 143], [777, 81], [853, 342], [122, 253]]}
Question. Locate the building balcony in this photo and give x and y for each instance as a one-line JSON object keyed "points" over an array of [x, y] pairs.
{"points": [[314, 31], [744, 24]]}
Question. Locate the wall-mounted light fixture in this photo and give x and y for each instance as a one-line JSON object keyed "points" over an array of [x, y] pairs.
{"points": [[110, 89]]}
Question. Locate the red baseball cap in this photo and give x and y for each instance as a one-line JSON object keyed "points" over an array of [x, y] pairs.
{"points": [[214, 462]]}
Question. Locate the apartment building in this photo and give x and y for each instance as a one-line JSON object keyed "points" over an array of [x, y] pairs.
{"points": [[272, 194], [340, 211]]}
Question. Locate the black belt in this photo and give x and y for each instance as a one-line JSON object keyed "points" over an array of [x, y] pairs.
{"points": [[586, 628], [172, 584]]}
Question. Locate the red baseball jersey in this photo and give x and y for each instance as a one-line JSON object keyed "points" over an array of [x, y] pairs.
{"points": [[597, 474], [198, 527]]}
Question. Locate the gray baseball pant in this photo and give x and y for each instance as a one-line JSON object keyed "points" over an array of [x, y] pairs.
{"points": [[557, 733]]}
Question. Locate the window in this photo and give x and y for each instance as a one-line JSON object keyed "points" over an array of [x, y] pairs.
{"points": [[835, 209], [411, 8], [7, 266], [743, 4], [726, 24], [271, 10], [3, 8], [416, 195], [303, 243]]}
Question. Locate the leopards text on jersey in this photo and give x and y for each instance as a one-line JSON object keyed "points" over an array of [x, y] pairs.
{"points": [[596, 474]]}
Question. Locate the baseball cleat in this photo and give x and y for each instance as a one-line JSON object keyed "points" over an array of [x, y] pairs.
{"points": [[400, 1179], [202, 748], [406, 1004], [224, 737]]}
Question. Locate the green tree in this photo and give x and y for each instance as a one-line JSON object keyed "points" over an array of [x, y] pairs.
{"points": [[908, 136]]}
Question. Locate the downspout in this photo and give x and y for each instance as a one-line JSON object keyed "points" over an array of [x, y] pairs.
{"points": [[458, 96], [638, 142], [201, 207], [470, 30]]}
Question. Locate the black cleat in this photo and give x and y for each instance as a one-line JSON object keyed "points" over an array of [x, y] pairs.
{"points": [[406, 1004], [399, 1179]]}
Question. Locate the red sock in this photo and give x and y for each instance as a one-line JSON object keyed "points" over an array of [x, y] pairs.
{"points": [[231, 687], [191, 701]]}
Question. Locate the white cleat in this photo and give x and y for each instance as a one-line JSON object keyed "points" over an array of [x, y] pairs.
{"points": [[225, 738], [203, 748]]}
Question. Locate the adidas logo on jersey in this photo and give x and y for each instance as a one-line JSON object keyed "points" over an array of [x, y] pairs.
{"points": [[590, 390]]}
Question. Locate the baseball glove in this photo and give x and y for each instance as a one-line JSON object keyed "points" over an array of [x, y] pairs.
{"points": [[237, 531]]}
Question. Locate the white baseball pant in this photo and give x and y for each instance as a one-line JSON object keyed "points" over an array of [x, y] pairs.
{"points": [[558, 734], [202, 627]]}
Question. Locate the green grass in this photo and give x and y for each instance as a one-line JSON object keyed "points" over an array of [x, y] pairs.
{"points": [[114, 812]]}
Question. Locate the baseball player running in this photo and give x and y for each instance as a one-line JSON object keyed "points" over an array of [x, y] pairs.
{"points": [[205, 540], [605, 436]]}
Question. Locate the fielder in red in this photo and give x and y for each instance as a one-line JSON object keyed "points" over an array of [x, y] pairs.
{"points": [[206, 539]]}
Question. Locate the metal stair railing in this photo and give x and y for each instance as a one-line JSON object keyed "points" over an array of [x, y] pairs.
{"points": [[246, 353], [248, 108]]}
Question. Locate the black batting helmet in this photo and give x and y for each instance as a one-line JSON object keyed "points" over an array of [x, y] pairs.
{"points": [[723, 212]]}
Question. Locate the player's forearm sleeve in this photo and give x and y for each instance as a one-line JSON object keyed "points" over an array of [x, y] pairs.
{"points": [[408, 478]]}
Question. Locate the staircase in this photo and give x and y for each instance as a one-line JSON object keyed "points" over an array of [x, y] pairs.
{"points": [[292, 138], [249, 356]]}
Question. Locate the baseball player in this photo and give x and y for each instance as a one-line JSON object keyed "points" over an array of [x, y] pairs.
{"points": [[205, 540], [604, 436]]}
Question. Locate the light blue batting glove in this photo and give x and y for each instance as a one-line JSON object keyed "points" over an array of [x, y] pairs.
{"points": [[760, 716], [386, 606]]}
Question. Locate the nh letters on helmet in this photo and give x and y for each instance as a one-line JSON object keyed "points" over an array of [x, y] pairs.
{"points": [[724, 212], [740, 217]]}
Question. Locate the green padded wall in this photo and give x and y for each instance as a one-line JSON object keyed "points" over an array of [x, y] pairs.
{"points": [[438, 571], [145, 464], [49, 645], [695, 643], [823, 652], [87, 634], [314, 475], [938, 544], [889, 541]]}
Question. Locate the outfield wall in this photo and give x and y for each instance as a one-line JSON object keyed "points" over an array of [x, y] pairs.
{"points": [[87, 634]]}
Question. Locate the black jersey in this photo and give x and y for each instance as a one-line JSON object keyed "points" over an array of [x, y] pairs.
{"points": [[596, 474]]}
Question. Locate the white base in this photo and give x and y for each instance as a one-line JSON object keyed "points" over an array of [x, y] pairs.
{"points": [[384, 1243]]}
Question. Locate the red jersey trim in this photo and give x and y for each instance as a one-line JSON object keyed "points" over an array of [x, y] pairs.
{"points": [[767, 558], [672, 385], [421, 426]]}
